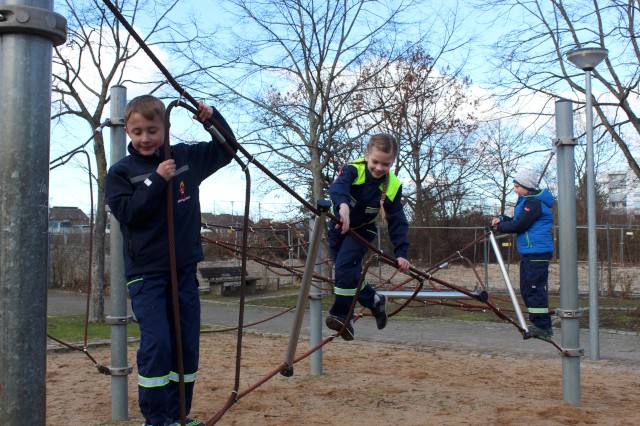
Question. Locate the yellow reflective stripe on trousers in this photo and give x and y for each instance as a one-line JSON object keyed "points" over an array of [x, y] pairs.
{"points": [[347, 291], [135, 281], [175, 377], [344, 291], [153, 382], [538, 310]]}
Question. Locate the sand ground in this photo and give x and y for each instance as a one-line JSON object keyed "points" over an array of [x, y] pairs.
{"points": [[363, 382]]}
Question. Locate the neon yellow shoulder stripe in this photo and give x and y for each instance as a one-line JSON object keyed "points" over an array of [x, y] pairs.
{"points": [[394, 182]]}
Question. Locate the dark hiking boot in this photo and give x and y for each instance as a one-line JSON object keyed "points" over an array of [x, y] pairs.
{"points": [[335, 323], [540, 333], [187, 422], [379, 311]]}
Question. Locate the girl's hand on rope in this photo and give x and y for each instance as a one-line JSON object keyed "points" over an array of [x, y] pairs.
{"points": [[167, 169], [403, 264], [204, 112], [344, 217]]}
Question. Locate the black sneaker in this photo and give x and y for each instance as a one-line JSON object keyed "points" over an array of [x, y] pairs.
{"points": [[187, 422], [379, 311], [335, 323], [540, 333]]}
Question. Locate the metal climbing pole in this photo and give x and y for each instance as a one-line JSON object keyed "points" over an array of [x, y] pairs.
{"points": [[315, 303], [118, 317], [507, 281], [28, 31], [307, 275], [570, 312]]}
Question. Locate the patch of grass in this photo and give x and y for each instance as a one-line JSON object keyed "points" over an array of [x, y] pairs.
{"points": [[70, 328], [286, 300]]}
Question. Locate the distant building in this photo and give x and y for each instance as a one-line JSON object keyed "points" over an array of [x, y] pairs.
{"points": [[68, 214], [623, 193], [223, 220]]}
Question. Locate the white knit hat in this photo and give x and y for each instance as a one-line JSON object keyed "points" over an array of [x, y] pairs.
{"points": [[527, 179]]}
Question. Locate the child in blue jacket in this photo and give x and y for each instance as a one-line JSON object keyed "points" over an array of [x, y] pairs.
{"points": [[532, 222], [364, 190], [136, 194]]}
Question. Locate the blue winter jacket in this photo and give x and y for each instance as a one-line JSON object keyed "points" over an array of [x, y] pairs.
{"points": [[362, 192], [532, 222], [136, 195]]}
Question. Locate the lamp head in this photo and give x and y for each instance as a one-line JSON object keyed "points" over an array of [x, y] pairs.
{"points": [[587, 58]]}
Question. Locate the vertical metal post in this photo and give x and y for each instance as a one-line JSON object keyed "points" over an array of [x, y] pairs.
{"points": [[594, 328], [315, 302], [309, 267], [290, 242], [568, 254], [380, 248], [608, 256], [621, 245], [485, 250], [555, 243], [28, 30], [118, 317]]}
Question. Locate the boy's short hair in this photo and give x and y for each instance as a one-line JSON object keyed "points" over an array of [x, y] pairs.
{"points": [[148, 106]]}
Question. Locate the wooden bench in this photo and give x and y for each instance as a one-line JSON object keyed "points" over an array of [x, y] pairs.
{"points": [[224, 280]]}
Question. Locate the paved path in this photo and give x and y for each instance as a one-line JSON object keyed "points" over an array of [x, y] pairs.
{"points": [[491, 338]]}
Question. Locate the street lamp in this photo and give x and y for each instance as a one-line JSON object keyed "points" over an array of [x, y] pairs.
{"points": [[587, 59]]}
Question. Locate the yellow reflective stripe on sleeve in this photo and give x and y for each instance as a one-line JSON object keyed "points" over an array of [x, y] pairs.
{"points": [[135, 281], [153, 382], [188, 378], [538, 310]]}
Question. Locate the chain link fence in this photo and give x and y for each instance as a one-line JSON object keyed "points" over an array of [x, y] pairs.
{"points": [[618, 257]]}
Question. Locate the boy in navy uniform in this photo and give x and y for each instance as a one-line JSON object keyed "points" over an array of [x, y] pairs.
{"points": [[136, 194]]}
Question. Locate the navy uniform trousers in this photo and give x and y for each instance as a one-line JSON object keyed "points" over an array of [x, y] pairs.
{"points": [[534, 279], [158, 379], [347, 254]]}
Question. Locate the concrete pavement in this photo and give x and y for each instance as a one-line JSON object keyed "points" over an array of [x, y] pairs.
{"points": [[486, 338]]}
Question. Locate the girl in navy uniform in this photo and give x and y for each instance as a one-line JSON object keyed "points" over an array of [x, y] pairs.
{"points": [[365, 191]]}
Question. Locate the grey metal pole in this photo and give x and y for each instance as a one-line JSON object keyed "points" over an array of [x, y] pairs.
{"points": [[567, 246], [118, 318], [315, 304], [485, 251], [507, 281], [28, 31], [314, 243], [621, 245], [608, 256], [594, 328]]}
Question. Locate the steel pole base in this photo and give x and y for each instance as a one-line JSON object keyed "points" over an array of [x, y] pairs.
{"points": [[287, 371]]}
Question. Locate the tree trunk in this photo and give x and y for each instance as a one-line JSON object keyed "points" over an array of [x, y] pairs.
{"points": [[96, 307]]}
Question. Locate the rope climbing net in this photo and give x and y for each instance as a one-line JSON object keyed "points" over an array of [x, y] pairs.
{"points": [[288, 249]]}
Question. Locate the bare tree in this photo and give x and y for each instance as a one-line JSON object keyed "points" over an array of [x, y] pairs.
{"points": [[530, 57], [94, 59], [506, 148], [302, 70], [432, 113]]}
